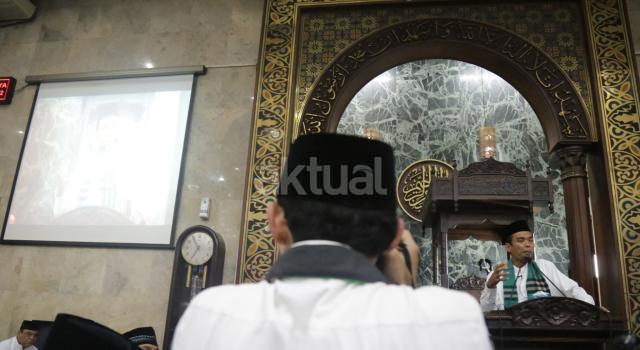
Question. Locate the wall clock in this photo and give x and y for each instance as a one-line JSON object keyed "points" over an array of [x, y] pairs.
{"points": [[198, 263]]}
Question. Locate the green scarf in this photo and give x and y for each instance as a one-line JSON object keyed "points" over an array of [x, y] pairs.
{"points": [[535, 283]]}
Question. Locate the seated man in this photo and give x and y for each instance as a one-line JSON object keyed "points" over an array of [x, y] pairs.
{"points": [[144, 338], [25, 338], [522, 278], [335, 215]]}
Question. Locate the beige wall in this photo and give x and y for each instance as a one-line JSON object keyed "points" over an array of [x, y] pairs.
{"points": [[126, 288]]}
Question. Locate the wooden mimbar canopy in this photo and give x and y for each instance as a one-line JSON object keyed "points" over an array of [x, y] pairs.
{"points": [[478, 200]]}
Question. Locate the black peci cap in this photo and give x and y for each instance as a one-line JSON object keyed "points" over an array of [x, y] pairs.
{"points": [[71, 332], [142, 335], [30, 325], [341, 170], [516, 226]]}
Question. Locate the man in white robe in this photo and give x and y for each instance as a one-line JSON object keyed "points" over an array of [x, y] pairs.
{"points": [[324, 291], [519, 280], [24, 340]]}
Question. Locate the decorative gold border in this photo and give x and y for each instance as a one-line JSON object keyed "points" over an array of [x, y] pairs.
{"points": [[618, 95], [272, 123], [294, 106], [569, 113], [268, 142]]}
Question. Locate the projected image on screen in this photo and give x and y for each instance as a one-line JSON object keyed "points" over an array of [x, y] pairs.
{"points": [[102, 161]]}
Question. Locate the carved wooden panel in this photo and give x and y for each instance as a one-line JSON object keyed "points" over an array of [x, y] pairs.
{"points": [[469, 283], [492, 185], [492, 166], [557, 312]]}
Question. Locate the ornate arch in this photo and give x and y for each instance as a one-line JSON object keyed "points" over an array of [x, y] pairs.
{"points": [[611, 80], [537, 77]]}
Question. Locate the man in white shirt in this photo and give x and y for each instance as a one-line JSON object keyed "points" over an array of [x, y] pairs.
{"points": [[25, 338], [522, 278], [335, 214]]}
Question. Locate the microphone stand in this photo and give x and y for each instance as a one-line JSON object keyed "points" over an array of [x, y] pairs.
{"points": [[528, 260]]}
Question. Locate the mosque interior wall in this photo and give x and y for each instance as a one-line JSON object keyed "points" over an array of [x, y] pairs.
{"points": [[127, 288]]}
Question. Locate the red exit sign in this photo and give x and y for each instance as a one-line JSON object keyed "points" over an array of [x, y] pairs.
{"points": [[7, 86]]}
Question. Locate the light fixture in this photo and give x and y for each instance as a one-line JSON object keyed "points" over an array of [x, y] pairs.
{"points": [[373, 134], [487, 142], [487, 134]]}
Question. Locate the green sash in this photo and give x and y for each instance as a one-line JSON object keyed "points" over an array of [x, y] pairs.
{"points": [[535, 283]]}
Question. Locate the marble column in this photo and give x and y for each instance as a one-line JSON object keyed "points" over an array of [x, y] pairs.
{"points": [[572, 160]]}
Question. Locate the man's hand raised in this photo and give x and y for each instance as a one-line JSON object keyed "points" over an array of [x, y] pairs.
{"points": [[499, 274]]}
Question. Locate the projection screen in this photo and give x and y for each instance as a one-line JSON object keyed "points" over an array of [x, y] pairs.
{"points": [[101, 162]]}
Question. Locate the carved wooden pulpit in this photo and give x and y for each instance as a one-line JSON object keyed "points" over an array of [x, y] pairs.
{"points": [[479, 200], [553, 323], [476, 201]]}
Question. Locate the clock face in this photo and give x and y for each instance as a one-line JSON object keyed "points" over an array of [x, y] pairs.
{"points": [[197, 248]]}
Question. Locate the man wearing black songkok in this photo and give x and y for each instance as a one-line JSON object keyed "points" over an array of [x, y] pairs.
{"points": [[24, 340], [335, 214], [524, 278]]}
